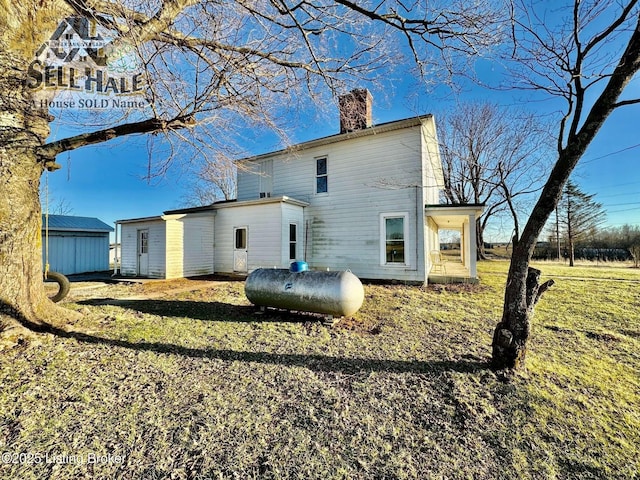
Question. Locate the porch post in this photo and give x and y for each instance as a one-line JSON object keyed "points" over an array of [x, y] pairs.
{"points": [[471, 238]]}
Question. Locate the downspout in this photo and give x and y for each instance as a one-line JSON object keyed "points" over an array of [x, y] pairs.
{"points": [[419, 219], [115, 254], [306, 239]]}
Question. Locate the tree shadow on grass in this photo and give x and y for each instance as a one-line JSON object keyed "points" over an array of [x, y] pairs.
{"points": [[208, 311], [320, 363]]}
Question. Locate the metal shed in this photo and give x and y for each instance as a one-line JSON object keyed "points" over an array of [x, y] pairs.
{"points": [[76, 244]]}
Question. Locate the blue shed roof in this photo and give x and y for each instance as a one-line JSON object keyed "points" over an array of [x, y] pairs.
{"points": [[72, 223]]}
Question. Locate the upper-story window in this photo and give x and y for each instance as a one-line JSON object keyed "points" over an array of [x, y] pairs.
{"points": [[322, 177], [266, 178]]}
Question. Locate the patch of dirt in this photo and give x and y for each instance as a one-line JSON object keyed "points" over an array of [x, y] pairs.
{"points": [[456, 287], [359, 326]]}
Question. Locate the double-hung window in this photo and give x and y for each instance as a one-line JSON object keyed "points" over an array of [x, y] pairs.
{"points": [[293, 241], [322, 177]]}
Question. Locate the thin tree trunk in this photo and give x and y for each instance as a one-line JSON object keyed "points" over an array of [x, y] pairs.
{"points": [[480, 252], [572, 253]]}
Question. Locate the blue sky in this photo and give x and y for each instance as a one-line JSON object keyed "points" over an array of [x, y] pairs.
{"points": [[107, 180]]}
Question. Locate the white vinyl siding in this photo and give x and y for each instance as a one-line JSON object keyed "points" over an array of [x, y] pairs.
{"points": [[266, 178], [198, 245], [292, 215], [344, 226], [248, 177], [368, 176], [264, 238], [174, 253], [156, 244]]}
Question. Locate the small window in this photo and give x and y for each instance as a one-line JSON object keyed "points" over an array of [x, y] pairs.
{"points": [[393, 239], [144, 241], [322, 184], [293, 241], [241, 238]]}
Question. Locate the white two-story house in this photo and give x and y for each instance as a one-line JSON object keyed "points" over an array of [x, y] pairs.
{"points": [[365, 200]]}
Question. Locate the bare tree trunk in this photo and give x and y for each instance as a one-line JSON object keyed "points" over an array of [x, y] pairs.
{"points": [[572, 252], [509, 347], [480, 252], [510, 339]]}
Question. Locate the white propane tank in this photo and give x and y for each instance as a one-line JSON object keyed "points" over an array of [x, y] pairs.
{"points": [[337, 293]]}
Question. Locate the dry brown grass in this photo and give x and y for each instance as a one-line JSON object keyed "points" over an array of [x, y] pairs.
{"points": [[196, 385]]}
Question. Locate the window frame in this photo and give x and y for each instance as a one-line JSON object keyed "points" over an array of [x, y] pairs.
{"points": [[293, 244], [245, 237], [324, 175], [383, 238]]}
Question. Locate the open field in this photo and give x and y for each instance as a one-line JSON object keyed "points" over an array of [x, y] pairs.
{"points": [[192, 384]]}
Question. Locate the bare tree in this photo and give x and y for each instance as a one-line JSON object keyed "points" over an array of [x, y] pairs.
{"points": [[584, 53], [492, 156], [214, 180], [193, 71]]}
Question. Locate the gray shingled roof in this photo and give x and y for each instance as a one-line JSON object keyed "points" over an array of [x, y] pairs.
{"points": [[76, 224]]}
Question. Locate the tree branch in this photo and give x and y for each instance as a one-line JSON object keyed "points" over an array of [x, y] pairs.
{"points": [[49, 151], [626, 102]]}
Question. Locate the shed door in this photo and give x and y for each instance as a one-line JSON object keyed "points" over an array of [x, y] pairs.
{"points": [[143, 252], [240, 249]]}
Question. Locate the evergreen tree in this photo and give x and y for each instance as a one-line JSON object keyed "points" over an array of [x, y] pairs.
{"points": [[579, 216]]}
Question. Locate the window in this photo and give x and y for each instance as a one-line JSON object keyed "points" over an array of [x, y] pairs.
{"points": [[241, 238], [393, 227], [293, 241], [143, 241], [322, 184], [266, 178]]}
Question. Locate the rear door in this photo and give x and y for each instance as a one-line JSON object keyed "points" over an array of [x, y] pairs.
{"points": [[240, 251]]}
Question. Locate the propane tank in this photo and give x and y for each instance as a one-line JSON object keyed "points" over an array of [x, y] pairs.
{"points": [[336, 293]]}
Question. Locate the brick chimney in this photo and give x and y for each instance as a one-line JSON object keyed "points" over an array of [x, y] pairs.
{"points": [[355, 110]]}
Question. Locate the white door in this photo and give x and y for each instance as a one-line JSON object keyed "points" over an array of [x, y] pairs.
{"points": [[240, 249], [143, 253]]}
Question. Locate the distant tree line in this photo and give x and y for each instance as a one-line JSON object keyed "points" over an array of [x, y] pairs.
{"points": [[605, 244]]}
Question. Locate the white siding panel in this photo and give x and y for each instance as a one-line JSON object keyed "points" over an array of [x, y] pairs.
{"points": [[248, 181], [264, 233], [292, 214], [197, 245], [367, 176], [157, 241], [128, 260], [174, 248]]}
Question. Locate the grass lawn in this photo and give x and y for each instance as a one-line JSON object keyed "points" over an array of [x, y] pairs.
{"points": [[195, 385]]}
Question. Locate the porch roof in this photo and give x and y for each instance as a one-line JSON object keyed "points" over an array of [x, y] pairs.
{"points": [[453, 216]]}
